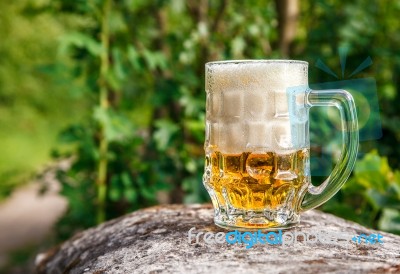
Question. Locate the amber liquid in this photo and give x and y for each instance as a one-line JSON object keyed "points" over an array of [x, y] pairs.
{"points": [[257, 181]]}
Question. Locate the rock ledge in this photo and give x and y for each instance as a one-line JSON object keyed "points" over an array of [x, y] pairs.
{"points": [[155, 240]]}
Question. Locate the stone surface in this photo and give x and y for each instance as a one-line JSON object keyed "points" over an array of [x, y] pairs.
{"points": [[155, 240]]}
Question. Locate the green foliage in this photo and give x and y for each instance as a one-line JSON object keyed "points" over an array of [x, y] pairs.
{"points": [[32, 85], [156, 66], [365, 29], [371, 197]]}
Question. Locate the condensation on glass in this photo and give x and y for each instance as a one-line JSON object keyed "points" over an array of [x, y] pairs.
{"points": [[257, 145]]}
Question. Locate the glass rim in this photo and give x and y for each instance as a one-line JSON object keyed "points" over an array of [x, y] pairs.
{"points": [[257, 61]]}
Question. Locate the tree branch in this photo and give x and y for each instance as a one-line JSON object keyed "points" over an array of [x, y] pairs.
{"points": [[287, 23]]}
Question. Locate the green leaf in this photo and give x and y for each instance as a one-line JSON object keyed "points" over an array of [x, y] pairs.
{"points": [[162, 185], [126, 180], [80, 40], [117, 22], [113, 80], [342, 210], [372, 171], [191, 166], [155, 59], [116, 126], [193, 106], [147, 193], [114, 190], [130, 194], [114, 194], [193, 187], [388, 199], [165, 130], [390, 220], [133, 57], [196, 128], [117, 64], [396, 183]]}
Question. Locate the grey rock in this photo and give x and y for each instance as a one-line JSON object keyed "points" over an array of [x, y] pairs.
{"points": [[155, 240]]}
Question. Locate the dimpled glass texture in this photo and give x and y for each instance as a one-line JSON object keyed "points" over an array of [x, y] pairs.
{"points": [[256, 145]]}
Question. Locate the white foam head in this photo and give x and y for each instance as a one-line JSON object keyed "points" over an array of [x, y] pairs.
{"points": [[247, 104]]}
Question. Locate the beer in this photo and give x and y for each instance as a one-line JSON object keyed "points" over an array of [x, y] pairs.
{"points": [[257, 142], [257, 181], [256, 169]]}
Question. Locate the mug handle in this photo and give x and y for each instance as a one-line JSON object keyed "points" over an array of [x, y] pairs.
{"points": [[342, 100]]}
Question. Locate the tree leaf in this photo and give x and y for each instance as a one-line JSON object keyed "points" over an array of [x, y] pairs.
{"points": [[390, 220], [80, 40], [116, 126], [165, 129]]}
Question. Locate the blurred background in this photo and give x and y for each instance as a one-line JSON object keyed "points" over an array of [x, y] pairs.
{"points": [[102, 105]]}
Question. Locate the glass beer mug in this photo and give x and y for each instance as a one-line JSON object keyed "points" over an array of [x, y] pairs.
{"points": [[257, 168]]}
